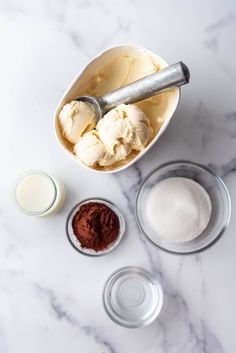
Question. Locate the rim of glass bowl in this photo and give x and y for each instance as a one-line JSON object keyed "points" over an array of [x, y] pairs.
{"points": [[115, 274], [216, 177], [17, 183], [114, 245]]}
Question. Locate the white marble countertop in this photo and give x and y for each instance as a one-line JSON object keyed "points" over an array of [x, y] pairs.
{"points": [[50, 296]]}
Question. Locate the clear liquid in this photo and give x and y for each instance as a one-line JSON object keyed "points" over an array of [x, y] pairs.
{"points": [[133, 298]]}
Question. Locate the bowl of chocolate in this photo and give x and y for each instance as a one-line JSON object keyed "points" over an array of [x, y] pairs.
{"points": [[95, 227]]}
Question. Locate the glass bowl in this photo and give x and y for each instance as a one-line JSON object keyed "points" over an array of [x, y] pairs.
{"points": [[132, 297], [74, 241], [217, 191]]}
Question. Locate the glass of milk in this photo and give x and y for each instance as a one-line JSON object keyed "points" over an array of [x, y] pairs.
{"points": [[38, 194]]}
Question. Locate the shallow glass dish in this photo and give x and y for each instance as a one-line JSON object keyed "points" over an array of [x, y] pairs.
{"points": [[220, 201], [132, 297], [74, 241]]}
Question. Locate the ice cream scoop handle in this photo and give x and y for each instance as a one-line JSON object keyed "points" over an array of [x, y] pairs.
{"points": [[173, 75]]}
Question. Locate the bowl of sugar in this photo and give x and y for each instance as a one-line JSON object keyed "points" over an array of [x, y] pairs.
{"points": [[183, 207]]}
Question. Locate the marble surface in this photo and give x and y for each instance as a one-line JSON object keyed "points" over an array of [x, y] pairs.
{"points": [[50, 296]]}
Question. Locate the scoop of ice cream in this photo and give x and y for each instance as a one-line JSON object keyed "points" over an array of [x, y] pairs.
{"points": [[91, 151], [124, 128], [75, 118], [140, 126], [122, 151]]}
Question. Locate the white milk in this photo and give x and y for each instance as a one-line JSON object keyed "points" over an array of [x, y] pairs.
{"points": [[39, 194]]}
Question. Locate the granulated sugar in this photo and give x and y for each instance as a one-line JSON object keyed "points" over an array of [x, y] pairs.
{"points": [[178, 209]]}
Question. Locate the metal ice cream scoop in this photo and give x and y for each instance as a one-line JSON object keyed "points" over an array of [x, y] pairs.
{"points": [[172, 76]]}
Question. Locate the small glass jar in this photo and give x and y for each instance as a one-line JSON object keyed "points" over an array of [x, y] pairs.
{"points": [[38, 193], [132, 297]]}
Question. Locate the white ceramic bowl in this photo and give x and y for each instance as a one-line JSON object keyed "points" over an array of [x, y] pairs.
{"points": [[77, 88]]}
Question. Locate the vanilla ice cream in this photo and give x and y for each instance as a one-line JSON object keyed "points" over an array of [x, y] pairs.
{"points": [[125, 126], [119, 132], [91, 151], [125, 132], [75, 118]]}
